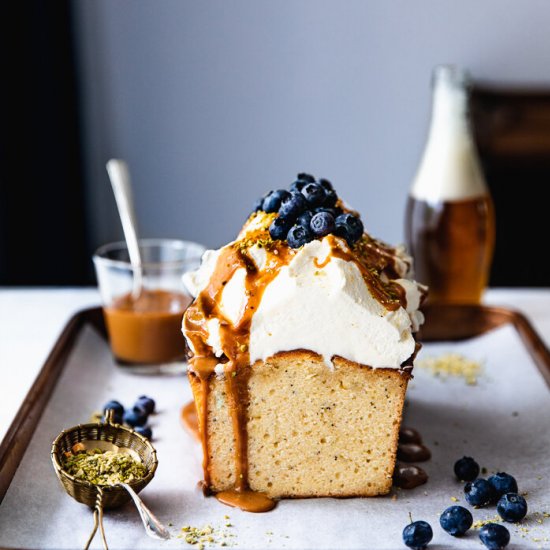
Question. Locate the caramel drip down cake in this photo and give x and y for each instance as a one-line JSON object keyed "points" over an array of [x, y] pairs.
{"points": [[302, 344]]}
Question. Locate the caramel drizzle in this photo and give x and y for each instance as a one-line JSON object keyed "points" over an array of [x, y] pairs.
{"points": [[391, 295], [235, 337], [236, 359]]}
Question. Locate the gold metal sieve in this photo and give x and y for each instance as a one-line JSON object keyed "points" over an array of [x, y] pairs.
{"points": [[108, 436]]}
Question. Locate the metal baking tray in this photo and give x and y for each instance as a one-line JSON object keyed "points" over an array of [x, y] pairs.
{"points": [[180, 460]]}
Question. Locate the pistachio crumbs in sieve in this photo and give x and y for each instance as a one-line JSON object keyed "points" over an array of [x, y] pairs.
{"points": [[103, 467]]}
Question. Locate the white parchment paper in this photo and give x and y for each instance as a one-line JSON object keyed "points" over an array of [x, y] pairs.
{"points": [[503, 421]]}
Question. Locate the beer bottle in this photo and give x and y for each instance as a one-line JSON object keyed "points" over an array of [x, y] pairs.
{"points": [[450, 223]]}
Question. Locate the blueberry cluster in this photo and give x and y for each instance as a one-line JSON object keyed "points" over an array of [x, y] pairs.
{"points": [[308, 210], [500, 488], [136, 417]]}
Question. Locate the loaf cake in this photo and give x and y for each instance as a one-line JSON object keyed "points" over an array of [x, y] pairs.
{"points": [[302, 344]]}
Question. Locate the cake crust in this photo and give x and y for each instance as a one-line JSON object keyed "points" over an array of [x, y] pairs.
{"points": [[311, 430]]}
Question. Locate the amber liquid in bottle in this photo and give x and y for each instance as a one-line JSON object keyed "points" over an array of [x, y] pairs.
{"points": [[450, 220], [452, 246]]}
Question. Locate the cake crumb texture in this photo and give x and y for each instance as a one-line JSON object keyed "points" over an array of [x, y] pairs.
{"points": [[312, 431]]}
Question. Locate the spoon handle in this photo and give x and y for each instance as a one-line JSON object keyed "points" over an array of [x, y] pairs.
{"points": [[98, 521], [154, 528], [120, 181]]}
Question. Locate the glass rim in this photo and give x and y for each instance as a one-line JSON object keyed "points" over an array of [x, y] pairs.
{"points": [[99, 257]]}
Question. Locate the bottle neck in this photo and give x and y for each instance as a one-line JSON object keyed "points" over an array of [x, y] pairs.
{"points": [[449, 113], [450, 168]]}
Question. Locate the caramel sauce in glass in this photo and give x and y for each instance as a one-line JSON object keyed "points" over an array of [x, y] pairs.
{"points": [[370, 256], [147, 329]]}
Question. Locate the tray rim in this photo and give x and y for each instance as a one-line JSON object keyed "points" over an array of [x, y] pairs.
{"points": [[21, 430]]}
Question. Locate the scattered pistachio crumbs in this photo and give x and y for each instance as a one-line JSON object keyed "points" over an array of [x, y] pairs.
{"points": [[103, 467], [480, 523], [206, 535], [452, 364]]}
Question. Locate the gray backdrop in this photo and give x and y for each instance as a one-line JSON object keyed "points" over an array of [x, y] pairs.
{"points": [[214, 102]]}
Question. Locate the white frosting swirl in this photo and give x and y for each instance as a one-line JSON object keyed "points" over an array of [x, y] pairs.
{"points": [[328, 310]]}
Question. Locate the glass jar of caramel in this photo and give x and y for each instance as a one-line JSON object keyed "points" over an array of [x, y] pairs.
{"points": [[144, 326]]}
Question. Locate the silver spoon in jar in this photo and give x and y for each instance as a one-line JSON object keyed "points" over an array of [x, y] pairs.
{"points": [[122, 188]]}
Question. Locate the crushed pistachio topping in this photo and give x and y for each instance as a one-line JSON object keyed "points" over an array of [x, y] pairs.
{"points": [[262, 242], [452, 365], [103, 467], [206, 536]]}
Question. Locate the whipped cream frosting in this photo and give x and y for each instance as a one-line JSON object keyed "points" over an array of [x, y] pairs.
{"points": [[320, 302]]}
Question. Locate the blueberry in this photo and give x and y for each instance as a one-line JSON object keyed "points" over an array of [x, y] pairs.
{"points": [[135, 417], [145, 431], [298, 236], [258, 203], [305, 177], [322, 224], [494, 536], [512, 507], [330, 209], [147, 403], [279, 228], [140, 409], [314, 194], [479, 492], [503, 483], [330, 198], [272, 201], [292, 206], [297, 186], [349, 227], [466, 469], [117, 408], [304, 218], [456, 520], [417, 535], [327, 186]]}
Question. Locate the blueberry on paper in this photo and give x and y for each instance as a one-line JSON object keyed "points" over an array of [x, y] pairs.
{"points": [[417, 535], [147, 403], [279, 228], [298, 236], [503, 483], [117, 408], [349, 227], [292, 206], [135, 417], [512, 507], [466, 469], [145, 431], [272, 201], [456, 520], [314, 194], [322, 224], [494, 536], [479, 492]]}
